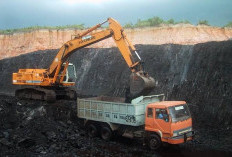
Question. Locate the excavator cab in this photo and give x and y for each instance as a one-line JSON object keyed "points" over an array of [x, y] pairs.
{"points": [[70, 75]]}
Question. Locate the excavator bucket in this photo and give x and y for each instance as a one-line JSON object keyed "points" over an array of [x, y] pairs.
{"points": [[141, 84]]}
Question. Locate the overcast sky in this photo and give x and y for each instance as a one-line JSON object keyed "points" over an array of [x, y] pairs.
{"points": [[24, 13]]}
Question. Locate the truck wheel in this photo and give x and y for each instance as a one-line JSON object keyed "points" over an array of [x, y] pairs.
{"points": [[106, 133], [154, 142], [92, 130]]}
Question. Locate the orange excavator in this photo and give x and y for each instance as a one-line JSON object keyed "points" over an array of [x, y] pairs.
{"points": [[52, 83]]}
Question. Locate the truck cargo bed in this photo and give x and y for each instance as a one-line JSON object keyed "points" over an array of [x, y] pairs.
{"points": [[114, 110]]}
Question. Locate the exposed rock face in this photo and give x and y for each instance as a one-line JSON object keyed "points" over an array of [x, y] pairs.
{"points": [[21, 43], [199, 74]]}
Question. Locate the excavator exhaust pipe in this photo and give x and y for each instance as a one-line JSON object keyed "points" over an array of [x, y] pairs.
{"points": [[141, 84]]}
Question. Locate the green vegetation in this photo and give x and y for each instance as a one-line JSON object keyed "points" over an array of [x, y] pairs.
{"points": [[203, 22], [171, 21], [229, 24], [184, 22], [153, 22], [33, 28], [128, 25]]}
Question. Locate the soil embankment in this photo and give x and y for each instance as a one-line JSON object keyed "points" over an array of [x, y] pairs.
{"points": [[21, 43]]}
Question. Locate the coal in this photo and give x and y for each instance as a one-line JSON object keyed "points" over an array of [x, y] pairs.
{"points": [[61, 135]]}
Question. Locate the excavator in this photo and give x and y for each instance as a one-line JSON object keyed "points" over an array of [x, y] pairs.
{"points": [[53, 83]]}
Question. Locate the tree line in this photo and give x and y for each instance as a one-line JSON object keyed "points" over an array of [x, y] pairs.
{"points": [[150, 22], [157, 21]]}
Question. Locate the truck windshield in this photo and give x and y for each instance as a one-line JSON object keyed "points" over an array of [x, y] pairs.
{"points": [[179, 113]]}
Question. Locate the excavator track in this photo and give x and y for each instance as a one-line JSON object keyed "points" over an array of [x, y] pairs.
{"points": [[65, 93], [49, 95]]}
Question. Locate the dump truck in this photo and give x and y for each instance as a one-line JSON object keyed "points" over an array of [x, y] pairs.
{"points": [[148, 118]]}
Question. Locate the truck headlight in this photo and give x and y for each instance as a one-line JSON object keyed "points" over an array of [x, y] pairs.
{"points": [[175, 134]]}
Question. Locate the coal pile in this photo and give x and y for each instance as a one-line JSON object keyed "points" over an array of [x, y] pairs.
{"points": [[32, 126], [35, 128]]}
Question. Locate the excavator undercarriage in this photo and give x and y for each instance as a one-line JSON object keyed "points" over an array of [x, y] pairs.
{"points": [[46, 94]]}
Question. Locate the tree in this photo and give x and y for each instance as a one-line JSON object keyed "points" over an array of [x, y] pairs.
{"points": [[183, 21], [229, 24], [170, 21], [128, 25], [156, 21], [203, 22], [142, 23]]}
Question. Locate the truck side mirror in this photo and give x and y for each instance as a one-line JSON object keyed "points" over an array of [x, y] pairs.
{"points": [[166, 119]]}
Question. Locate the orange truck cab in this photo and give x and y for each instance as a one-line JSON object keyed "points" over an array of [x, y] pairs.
{"points": [[168, 121]]}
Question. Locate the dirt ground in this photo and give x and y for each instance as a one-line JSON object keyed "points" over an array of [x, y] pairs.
{"points": [[35, 128]]}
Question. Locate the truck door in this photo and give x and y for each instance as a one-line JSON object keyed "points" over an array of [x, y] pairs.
{"points": [[149, 119], [162, 121]]}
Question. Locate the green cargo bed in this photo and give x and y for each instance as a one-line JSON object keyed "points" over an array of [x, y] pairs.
{"points": [[114, 110]]}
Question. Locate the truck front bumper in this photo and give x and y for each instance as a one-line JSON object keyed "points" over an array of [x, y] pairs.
{"points": [[181, 138]]}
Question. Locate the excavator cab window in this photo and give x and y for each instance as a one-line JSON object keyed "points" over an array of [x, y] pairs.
{"points": [[71, 73]]}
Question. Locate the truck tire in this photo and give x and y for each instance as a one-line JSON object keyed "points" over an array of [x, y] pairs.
{"points": [[92, 130], [106, 133], [154, 142]]}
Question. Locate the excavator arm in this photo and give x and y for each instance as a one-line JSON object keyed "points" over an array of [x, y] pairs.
{"points": [[115, 30], [140, 82]]}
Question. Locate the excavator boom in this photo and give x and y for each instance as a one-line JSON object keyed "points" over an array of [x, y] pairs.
{"points": [[140, 82]]}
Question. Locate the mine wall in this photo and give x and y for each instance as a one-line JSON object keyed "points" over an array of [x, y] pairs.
{"points": [[199, 74], [184, 34]]}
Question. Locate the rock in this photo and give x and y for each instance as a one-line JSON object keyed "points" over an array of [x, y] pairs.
{"points": [[26, 143], [18, 103], [5, 142], [51, 135], [6, 134]]}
